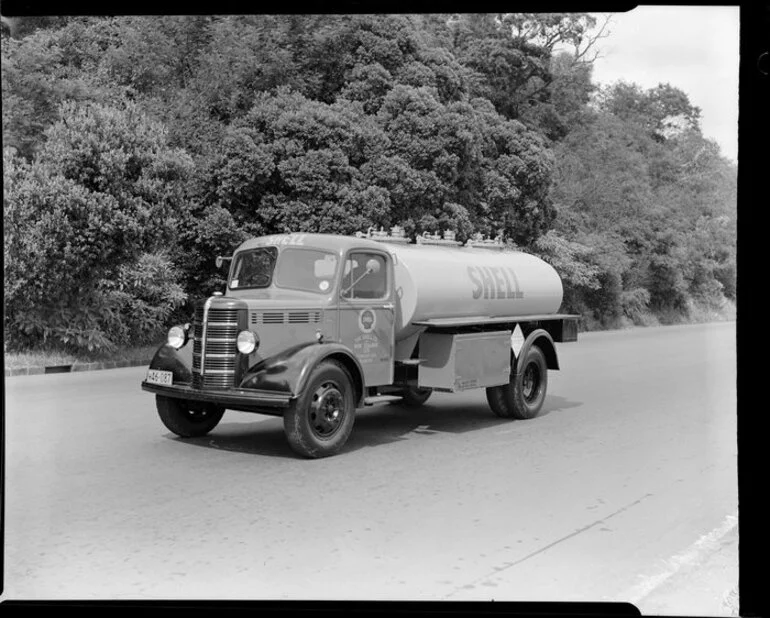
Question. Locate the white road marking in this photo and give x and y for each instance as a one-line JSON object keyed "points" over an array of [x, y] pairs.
{"points": [[692, 555]]}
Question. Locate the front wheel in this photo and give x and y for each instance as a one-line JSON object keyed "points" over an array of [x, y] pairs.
{"points": [[185, 419], [524, 395], [320, 420]]}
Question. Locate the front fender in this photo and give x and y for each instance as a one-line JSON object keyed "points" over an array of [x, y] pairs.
{"points": [[179, 362], [288, 371]]}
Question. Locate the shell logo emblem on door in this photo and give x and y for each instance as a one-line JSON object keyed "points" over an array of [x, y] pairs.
{"points": [[367, 320]]}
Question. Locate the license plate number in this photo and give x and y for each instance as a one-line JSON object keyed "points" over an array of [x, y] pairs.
{"points": [[157, 376]]}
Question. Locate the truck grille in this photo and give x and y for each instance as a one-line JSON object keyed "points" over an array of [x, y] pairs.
{"points": [[285, 317], [213, 365]]}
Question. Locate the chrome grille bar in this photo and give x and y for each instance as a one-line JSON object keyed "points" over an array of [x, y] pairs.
{"points": [[214, 355]]}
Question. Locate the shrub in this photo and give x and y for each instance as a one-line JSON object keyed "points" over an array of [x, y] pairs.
{"points": [[634, 304], [71, 328], [143, 296], [82, 223]]}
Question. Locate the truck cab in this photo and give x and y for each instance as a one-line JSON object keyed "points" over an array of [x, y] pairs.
{"points": [[293, 303], [304, 288]]}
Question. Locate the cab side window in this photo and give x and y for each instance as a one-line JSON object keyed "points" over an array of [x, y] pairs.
{"points": [[365, 275]]}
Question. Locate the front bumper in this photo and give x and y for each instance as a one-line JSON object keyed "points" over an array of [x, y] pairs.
{"points": [[250, 400]]}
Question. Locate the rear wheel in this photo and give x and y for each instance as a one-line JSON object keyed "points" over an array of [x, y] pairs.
{"points": [[524, 395], [319, 421], [188, 419]]}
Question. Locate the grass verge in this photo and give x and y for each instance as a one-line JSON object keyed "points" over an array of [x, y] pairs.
{"points": [[54, 357]]}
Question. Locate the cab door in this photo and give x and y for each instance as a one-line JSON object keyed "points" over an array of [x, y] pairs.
{"points": [[367, 313]]}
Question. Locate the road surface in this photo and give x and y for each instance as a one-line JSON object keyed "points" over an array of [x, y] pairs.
{"points": [[623, 489]]}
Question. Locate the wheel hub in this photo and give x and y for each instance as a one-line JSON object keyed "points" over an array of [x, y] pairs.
{"points": [[530, 382], [326, 410]]}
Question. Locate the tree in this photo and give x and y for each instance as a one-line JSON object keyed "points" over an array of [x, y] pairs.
{"points": [[666, 195], [243, 56], [662, 111], [340, 44], [19, 27], [103, 191], [570, 91], [508, 71], [293, 163], [572, 260], [32, 89], [51, 66], [602, 176], [157, 55], [513, 55], [553, 31]]}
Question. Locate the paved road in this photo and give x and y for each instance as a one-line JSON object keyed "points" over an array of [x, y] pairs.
{"points": [[624, 488]]}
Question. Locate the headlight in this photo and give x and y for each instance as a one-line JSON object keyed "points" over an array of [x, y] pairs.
{"points": [[247, 341], [177, 337]]}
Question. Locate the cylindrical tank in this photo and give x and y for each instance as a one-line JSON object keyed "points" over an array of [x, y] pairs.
{"points": [[445, 282]]}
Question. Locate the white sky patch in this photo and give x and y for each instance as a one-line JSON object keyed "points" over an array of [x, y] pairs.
{"points": [[693, 48]]}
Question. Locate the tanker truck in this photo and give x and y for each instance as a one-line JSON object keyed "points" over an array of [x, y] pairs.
{"points": [[312, 327]]}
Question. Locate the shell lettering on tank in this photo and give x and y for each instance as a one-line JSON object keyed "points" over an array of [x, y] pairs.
{"points": [[494, 282], [488, 282]]}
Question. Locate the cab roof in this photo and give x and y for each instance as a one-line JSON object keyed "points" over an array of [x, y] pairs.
{"points": [[327, 242], [338, 243]]}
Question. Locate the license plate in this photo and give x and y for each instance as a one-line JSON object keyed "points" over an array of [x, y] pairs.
{"points": [[157, 376]]}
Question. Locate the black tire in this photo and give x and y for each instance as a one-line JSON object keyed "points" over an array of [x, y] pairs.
{"points": [[414, 397], [319, 421], [523, 397], [186, 420]]}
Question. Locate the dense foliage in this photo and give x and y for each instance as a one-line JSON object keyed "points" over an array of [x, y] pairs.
{"points": [[138, 148]]}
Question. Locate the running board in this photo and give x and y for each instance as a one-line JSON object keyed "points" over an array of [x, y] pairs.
{"points": [[368, 401]]}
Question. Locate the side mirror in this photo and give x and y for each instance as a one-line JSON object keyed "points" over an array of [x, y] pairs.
{"points": [[220, 261], [373, 266]]}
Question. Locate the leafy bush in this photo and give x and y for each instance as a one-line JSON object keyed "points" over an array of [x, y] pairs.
{"points": [[572, 261], [570, 258], [634, 304], [74, 328], [143, 296], [211, 232], [52, 253], [133, 309], [103, 190]]}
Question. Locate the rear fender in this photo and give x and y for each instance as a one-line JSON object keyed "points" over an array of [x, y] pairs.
{"points": [[179, 362], [542, 339], [289, 371]]}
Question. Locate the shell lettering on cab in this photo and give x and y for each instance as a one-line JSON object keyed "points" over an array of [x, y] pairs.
{"points": [[494, 282], [290, 239]]}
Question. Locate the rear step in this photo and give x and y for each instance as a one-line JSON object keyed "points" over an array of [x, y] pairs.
{"points": [[368, 401]]}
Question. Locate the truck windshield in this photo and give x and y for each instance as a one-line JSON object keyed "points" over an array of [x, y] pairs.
{"points": [[254, 269], [309, 270]]}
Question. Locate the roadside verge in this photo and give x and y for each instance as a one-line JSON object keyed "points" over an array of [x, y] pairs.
{"points": [[38, 370]]}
